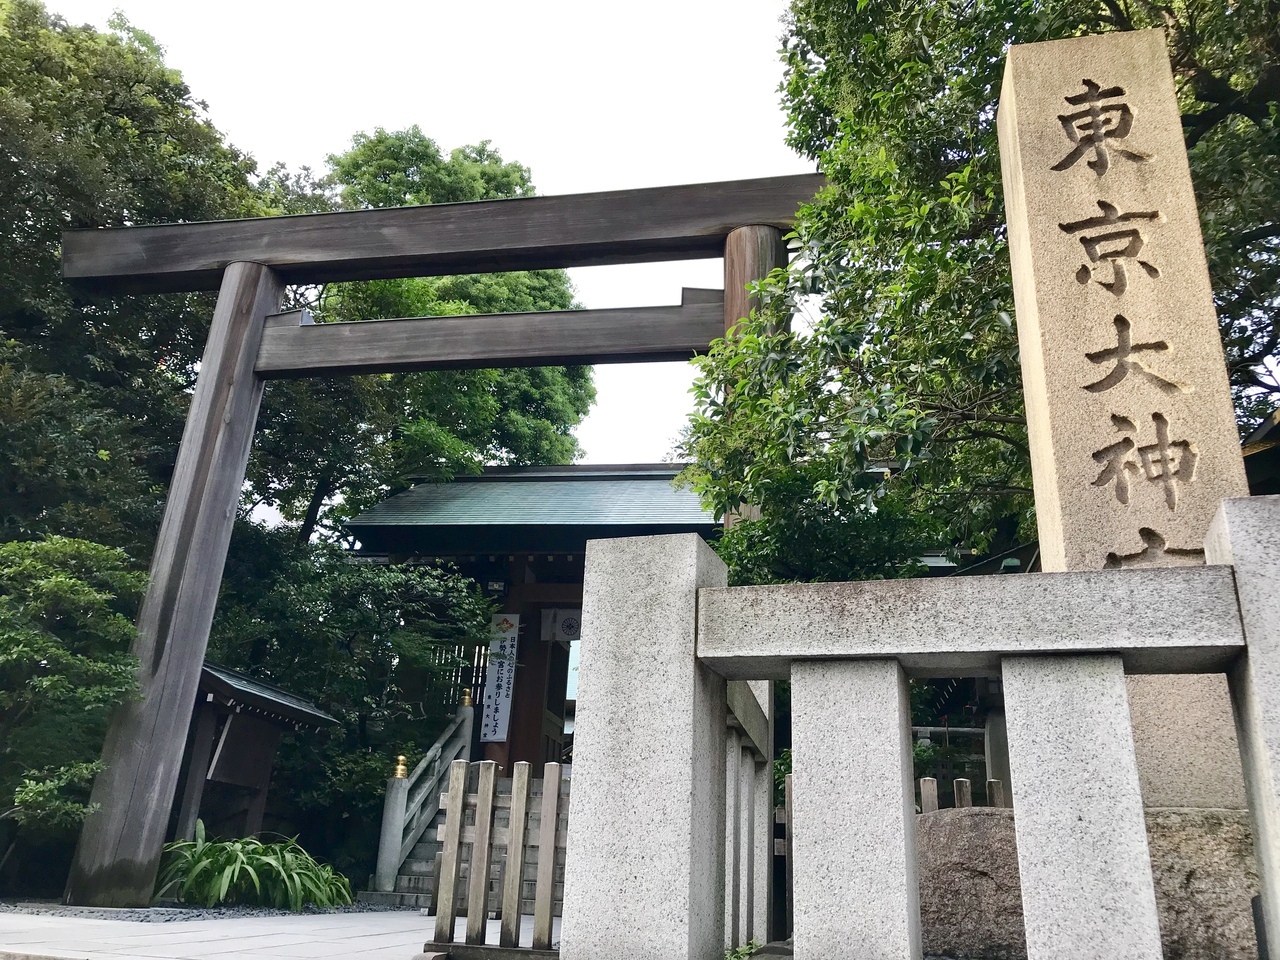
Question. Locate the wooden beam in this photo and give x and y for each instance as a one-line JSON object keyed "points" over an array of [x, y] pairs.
{"points": [[576, 230], [120, 843], [293, 347]]}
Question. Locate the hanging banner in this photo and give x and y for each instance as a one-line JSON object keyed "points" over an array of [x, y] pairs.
{"points": [[561, 625], [500, 677]]}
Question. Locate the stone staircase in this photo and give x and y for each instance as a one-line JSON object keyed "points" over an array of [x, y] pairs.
{"points": [[408, 847], [415, 883]]}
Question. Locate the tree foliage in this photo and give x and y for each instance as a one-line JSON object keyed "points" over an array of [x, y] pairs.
{"points": [[95, 130], [906, 354], [66, 622]]}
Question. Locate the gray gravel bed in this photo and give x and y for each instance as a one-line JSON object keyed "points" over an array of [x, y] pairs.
{"points": [[179, 913]]}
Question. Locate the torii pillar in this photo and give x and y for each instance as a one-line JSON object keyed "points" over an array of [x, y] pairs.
{"points": [[119, 849]]}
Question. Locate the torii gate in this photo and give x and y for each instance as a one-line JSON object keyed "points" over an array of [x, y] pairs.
{"points": [[249, 262]]}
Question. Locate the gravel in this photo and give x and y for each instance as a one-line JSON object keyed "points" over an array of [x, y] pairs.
{"points": [[179, 913]]}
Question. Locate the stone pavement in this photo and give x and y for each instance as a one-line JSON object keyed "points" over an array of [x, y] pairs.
{"points": [[395, 935]]}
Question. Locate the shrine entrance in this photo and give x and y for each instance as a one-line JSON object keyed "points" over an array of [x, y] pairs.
{"points": [[250, 342]]}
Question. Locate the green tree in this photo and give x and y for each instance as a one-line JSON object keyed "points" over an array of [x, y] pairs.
{"points": [[66, 622], [96, 130], [906, 356], [331, 446]]}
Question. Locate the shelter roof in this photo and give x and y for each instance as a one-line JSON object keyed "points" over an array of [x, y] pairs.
{"points": [[259, 697], [545, 508]]}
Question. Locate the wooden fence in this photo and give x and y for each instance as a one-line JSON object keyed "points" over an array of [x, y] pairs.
{"points": [[516, 830]]}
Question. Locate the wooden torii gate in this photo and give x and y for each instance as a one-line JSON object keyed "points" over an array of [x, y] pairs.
{"points": [[249, 262]]}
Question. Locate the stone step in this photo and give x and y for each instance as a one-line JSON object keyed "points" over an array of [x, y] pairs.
{"points": [[422, 901], [414, 867], [423, 885], [425, 849]]}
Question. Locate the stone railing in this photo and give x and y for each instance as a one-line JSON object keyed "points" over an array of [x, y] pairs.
{"points": [[413, 798], [663, 637]]}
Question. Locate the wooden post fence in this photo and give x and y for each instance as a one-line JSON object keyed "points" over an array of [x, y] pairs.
{"points": [[506, 838]]}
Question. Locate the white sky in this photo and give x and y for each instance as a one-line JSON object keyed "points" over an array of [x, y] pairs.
{"points": [[589, 95]]}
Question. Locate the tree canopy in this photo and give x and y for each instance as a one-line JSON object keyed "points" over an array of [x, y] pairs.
{"points": [[905, 354]]}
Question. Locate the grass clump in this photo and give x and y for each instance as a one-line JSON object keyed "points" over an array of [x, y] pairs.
{"points": [[211, 873]]}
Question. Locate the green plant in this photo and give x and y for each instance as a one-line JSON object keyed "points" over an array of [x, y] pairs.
{"points": [[781, 770], [742, 952], [248, 871]]}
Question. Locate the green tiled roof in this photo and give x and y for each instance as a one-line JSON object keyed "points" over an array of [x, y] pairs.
{"points": [[547, 496]]}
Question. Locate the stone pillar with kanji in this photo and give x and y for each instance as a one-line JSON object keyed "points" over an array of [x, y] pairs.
{"points": [[1132, 429]]}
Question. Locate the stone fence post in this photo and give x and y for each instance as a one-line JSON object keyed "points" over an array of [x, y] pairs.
{"points": [[644, 870], [1246, 534], [393, 814]]}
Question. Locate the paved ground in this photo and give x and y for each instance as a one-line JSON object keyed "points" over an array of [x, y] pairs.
{"points": [[397, 935]]}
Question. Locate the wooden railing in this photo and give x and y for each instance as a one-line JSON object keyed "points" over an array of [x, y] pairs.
{"points": [[411, 801], [502, 841]]}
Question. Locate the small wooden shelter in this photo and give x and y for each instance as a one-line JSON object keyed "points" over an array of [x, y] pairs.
{"points": [[231, 747]]}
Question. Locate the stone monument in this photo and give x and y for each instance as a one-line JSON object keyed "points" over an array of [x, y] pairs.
{"points": [[1133, 436]]}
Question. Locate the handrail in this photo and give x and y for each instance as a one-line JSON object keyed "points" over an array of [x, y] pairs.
{"points": [[418, 790], [415, 825], [434, 752], [403, 815]]}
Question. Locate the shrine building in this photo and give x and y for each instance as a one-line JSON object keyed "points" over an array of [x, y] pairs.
{"points": [[521, 533]]}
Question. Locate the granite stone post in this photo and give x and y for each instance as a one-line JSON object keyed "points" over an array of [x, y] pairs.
{"points": [[1246, 534], [1129, 412], [1087, 891], [732, 836], [392, 834], [762, 854], [855, 887], [644, 871], [746, 843]]}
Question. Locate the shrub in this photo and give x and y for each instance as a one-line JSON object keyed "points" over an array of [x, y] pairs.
{"points": [[223, 872]]}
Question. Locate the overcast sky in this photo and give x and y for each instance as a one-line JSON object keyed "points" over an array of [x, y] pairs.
{"points": [[589, 95]]}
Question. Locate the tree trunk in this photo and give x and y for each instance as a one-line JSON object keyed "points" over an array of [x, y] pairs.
{"points": [[323, 490]]}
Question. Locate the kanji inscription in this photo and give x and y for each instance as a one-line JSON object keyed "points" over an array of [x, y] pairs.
{"points": [[1129, 415], [1164, 461], [1114, 248], [1106, 116], [1123, 362], [1129, 411]]}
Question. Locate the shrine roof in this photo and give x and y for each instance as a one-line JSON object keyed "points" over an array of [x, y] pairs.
{"points": [[631, 495]]}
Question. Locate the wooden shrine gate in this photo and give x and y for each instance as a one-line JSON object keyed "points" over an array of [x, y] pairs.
{"points": [[249, 262]]}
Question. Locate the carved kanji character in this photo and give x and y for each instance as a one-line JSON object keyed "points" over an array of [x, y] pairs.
{"points": [[1090, 129], [1153, 553], [1111, 246], [1122, 354], [1166, 462]]}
